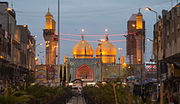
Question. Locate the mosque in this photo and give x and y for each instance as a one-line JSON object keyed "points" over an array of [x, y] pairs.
{"points": [[83, 65]]}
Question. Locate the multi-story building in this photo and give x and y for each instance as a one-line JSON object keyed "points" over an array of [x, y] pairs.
{"points": [[14, 40], [8, 69], [8, 23], [167, 32], [27, 47]]}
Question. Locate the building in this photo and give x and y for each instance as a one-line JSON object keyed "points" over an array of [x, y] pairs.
{"points": [[83, 66], [167, 32], [8, 24], [13, 47], [9, 70], [135, 45]]}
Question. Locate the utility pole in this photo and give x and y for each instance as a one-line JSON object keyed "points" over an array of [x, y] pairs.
{"points": [[58, 41]]}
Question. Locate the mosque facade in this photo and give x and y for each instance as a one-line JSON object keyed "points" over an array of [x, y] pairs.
{"points": [[86, 67]]}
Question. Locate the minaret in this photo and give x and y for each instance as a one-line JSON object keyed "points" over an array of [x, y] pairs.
{"points": [[135, 24], [140, 40], [50, 39]]}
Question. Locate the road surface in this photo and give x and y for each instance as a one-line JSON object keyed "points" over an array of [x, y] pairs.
{"points": [[76, 100]]}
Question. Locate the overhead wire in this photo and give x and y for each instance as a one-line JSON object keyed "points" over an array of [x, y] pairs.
{"points": [[125, 34], [93, 41], [96, 35]]}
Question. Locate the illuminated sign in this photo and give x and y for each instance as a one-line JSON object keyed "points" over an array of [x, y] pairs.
{"points": [[151, 68]]}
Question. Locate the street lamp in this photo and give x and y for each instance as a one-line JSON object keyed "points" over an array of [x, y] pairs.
{"points": [[149, 9], [38, 44], [120, 49], [149, 40], [35, 36], [36, 59]]}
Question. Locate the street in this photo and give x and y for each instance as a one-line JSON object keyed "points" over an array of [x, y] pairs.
{"points": [[77, 100]]}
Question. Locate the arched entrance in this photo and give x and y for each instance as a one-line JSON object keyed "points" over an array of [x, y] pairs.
{"points": [[84, 72]]}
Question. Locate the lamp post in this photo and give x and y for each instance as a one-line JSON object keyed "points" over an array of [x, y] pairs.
{"points": [[120, 49], [149, 9], [150, 40]]}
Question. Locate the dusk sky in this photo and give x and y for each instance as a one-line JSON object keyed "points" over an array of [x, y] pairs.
{"points": [[92, 15]]}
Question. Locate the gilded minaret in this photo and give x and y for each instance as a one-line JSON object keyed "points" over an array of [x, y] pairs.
{"points": [[140, 38], [51, 39], [135, 46]]}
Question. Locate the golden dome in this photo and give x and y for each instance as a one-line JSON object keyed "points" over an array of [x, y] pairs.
{"points": [[107, 51], [83, 49]]}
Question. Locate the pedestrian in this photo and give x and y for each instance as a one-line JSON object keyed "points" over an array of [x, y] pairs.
{"points": [[172, 99], [1, 91]]}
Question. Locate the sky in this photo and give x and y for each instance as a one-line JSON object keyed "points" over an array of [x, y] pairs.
{"points": [[92, 15]]}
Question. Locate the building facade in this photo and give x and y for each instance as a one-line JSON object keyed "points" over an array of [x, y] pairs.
{"points": [[13, 50], [167, 32], [87, 68]]}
